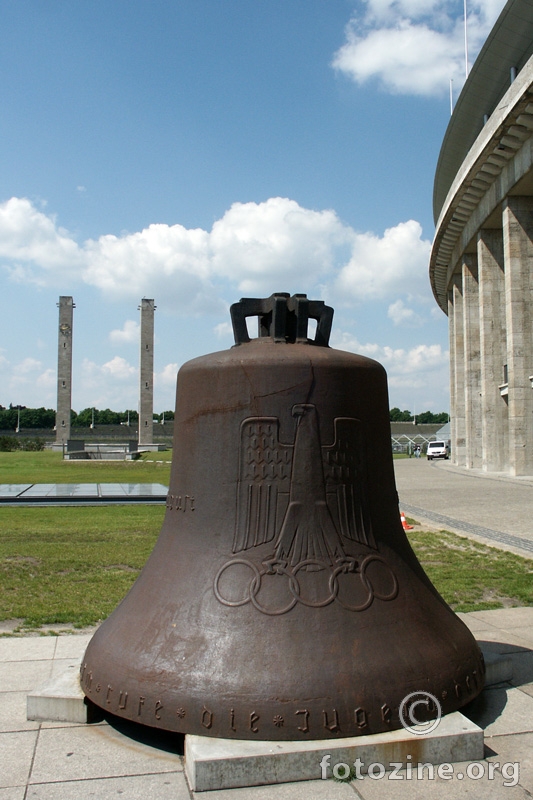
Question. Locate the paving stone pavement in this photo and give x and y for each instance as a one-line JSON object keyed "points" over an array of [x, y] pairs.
{"points": [[63, 761], [492, 508], [105, 760]]}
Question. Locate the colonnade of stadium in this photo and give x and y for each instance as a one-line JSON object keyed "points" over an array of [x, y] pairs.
{"points": [[481, 266]]}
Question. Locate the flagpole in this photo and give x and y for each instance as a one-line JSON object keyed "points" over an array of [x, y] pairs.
{"points": [[451, 96], [466, 43]]}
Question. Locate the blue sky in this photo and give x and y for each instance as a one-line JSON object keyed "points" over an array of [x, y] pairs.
{"points": [[199, 151]]}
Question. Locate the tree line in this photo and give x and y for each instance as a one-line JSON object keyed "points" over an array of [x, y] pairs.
{"points": [[425, 418], [21, 417]]}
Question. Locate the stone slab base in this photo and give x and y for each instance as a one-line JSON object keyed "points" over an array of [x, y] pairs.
{"points": [[227, 764], [60, 700]]}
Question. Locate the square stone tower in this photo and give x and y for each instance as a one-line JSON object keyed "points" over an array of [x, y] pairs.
{"points": [[64, 369], [146, 373]]}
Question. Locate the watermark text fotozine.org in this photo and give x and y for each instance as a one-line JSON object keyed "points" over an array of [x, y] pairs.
{"points": [[398, 771]]}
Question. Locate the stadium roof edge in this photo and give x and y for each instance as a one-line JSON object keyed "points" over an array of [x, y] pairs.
{"points": [[509, 44]]}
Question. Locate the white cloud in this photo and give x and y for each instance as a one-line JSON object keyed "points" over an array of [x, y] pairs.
{"points": [[395, 263], [34, 245], [422, 357], [111, 385], [119, 369], [267, 245], [436, 313], [410, 59], [420, 367], [27, 366], [223, 330], [400, 314], [167, 376], [20, 380], [167, 260], [128, 334], [114, 385], [414, 46], [390, 9], [47, 380], [254, 249]]}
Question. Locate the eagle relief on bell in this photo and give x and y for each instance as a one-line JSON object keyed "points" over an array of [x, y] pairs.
{"points": [[282, 600]]}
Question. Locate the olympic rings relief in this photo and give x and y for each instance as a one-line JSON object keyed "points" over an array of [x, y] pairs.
{"points": [[345, 566]]}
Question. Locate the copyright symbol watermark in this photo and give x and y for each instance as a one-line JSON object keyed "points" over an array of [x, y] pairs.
{"points": [[408, 710]]}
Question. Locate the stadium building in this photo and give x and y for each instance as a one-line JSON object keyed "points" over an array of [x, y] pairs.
{"points": [[481, 266]]}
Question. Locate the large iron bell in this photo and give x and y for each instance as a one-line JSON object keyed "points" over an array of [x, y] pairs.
{"points": [[282, 599]]}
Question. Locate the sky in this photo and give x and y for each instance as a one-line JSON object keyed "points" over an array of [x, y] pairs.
{"points": [[200, 151]]}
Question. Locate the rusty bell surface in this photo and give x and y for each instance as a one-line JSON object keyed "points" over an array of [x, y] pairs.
{"points": [[282, 599]]}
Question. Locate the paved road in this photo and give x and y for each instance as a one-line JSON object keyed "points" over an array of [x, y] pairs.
{"points": [[495, 509]]}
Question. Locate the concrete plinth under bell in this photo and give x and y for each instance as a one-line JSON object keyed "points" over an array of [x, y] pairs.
{"points": [[60, 700], [229, 764], [212, 763]]}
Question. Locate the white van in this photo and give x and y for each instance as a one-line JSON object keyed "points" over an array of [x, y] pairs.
{"points": [[437, 450]]}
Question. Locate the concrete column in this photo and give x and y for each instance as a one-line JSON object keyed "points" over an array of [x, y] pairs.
{"points": [[518, 259], [451, 334], [146, 373], [472, 363], [493, 350], [458, 379], [64, 369]]}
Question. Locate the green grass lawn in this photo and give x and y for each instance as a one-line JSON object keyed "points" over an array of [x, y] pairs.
{"points": [[71, 565], [49, 467], [471, 576], [74, 565]]}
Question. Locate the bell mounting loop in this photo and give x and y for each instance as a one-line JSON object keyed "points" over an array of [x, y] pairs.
{"points": [[283, 318]]}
